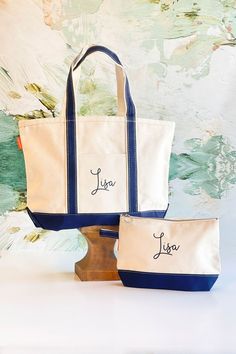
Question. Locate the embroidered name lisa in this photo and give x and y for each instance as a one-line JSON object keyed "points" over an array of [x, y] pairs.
{"points": [[102, 184], [164, 248]]}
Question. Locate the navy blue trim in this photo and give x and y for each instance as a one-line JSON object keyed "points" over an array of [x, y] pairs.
{"points": [[186, 282], [71, 147], [132, 154], [109, 233], [57, 222], [71, 137]]}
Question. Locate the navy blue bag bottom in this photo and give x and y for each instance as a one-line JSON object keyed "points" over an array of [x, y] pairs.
{"points": [[186, 282], [50, 221]]}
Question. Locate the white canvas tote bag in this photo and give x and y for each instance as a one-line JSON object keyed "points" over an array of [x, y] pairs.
{"points": [[167, 254], [85, 171]]}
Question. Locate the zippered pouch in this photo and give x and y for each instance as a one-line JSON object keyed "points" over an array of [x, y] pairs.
{"points": [[168, 253]]}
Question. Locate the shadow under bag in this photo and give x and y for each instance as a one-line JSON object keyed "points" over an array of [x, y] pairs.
{"points": [[84, 171]]}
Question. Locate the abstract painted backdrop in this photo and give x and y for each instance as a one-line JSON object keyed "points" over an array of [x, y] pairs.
{"points": [[180, 56]]}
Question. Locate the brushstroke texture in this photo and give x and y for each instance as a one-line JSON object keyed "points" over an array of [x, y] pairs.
{"points": [[170, 48]]}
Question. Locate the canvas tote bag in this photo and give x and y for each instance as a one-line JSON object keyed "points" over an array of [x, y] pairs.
{"points": [[85, 171], [167, 253]]}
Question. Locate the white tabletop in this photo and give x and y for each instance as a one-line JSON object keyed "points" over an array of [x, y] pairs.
{"points": [[47, 310]]}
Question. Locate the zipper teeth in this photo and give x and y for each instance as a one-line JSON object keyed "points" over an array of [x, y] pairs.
{"points": [[176, 220]]}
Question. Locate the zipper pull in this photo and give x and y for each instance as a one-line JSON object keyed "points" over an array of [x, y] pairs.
{"points": [[127, 217]]}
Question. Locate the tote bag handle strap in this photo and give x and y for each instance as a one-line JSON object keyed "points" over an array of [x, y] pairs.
{"points": [[70, 100], [71, 131], [121, 107]]}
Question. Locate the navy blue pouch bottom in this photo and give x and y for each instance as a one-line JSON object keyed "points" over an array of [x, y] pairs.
{"points": [[186, 282]]}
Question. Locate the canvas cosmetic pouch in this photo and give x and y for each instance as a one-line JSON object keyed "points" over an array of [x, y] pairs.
{"points": [[167, 253]]}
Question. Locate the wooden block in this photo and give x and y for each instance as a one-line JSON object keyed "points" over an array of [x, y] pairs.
{"points": [[100, 261]]}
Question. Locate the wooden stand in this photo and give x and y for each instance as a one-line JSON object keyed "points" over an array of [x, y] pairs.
{"points": [[100, 261]]}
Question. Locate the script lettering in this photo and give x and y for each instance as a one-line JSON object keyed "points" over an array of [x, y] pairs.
{"points": [[101, 184], [164, 248]]}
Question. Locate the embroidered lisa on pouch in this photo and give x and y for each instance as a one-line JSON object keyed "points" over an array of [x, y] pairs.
{"points": [[168, 253]]}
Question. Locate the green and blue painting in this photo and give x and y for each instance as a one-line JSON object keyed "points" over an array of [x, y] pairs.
{"points": [[180, 56]]}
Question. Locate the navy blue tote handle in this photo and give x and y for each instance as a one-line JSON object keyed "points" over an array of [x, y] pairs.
{"points": [[71, 134]]}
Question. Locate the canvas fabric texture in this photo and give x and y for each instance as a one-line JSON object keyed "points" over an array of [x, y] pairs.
{"points": [[168, 253], [98, 165]]}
